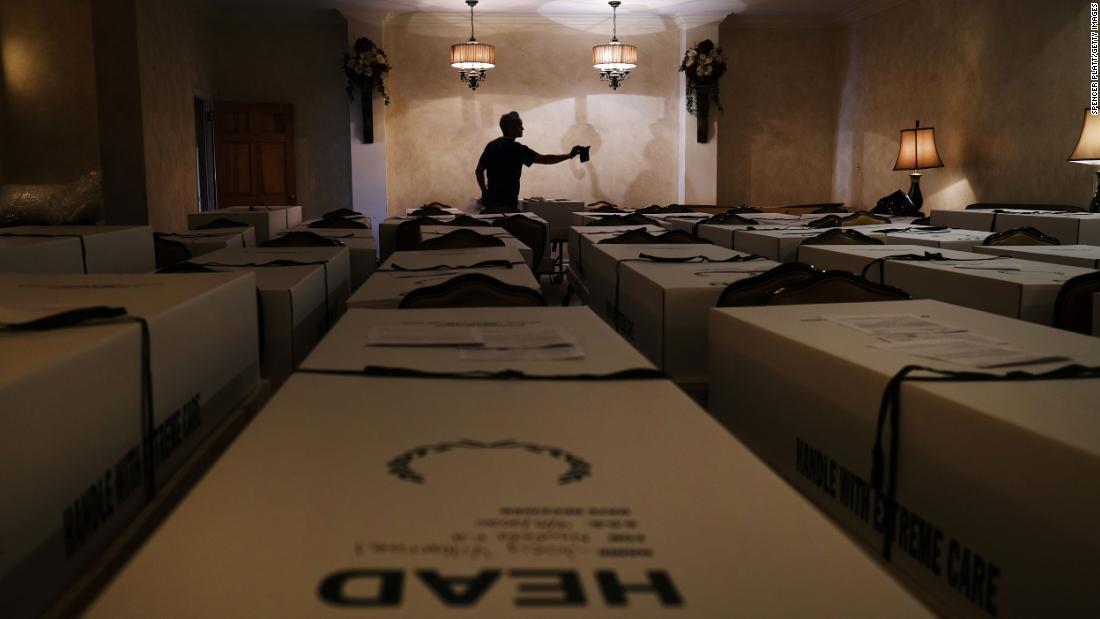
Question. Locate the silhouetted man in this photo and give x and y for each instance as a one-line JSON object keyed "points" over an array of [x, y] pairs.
{"points": [[504, 158]]}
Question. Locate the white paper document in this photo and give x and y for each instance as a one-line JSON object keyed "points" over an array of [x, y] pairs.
{"points": [[423, 335], [970, 352], [557, 353], [526, 336], [894, 327]]}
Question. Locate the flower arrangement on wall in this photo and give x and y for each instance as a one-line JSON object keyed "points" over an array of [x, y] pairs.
{"points": [[703, 65], [366, 67]]}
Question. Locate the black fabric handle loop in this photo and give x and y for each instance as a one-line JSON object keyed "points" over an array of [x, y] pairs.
{"points": [[884, 475], [928, 256], [378, 371], [484, 264]]}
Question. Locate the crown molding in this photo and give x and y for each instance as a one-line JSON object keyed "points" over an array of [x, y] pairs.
{"points": [[867, 8], [589, 22]]}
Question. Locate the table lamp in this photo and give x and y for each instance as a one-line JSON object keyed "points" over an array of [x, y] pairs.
{"points": [[1088, 152], [917, 151]]}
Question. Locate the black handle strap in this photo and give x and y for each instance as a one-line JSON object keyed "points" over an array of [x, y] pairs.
{"points": [[885, 476], [484, 264], [928, 256], [378, 371]]}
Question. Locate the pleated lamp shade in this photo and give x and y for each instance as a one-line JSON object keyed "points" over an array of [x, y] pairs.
{"points": [[917, 150], [614, 57], [1088, 146], [473, 55]]}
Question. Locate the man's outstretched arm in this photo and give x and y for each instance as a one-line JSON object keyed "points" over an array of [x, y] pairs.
{"points": [[552, 159]]}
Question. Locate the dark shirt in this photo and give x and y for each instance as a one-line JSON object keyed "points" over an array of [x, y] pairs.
{"points": [[503, 160]]}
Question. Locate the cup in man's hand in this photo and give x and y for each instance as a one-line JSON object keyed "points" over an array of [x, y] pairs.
{"points": [[584, 153]]}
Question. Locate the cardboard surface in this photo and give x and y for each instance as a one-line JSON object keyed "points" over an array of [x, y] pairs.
{"points": [[428, 232], [995, 520], [201, 242], [962, 240], [334, 261], [783, 245], [553, 497], [976, 219], [663, 310], [107, 249], [54, 254], [362, 250], [1086, 256], [581, 237], [72, 413], [854, 258], [268, 221], [1069, 228], [385, 289], [1025, 289], [557, 213], [602, 273]]}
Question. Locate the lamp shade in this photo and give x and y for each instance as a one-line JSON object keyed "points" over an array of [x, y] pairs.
{"points": [[473, 55], [1088, 146], [614, 57], [917, 150]]}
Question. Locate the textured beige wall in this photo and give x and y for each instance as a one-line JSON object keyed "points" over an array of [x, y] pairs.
{"points": [[48, 128], [1003, 82], [174, 62], [299, 63], [781, 97], [436, 127]]}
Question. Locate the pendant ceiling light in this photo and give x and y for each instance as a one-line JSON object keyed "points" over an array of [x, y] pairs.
{"points": [[473, 59], [614, 60]]}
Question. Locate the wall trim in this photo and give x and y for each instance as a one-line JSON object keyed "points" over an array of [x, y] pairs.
{"points": [[628, 24]]}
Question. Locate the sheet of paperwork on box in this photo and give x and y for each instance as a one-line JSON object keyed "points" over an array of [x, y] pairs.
{"points": [[991, 455], [420, 496]]}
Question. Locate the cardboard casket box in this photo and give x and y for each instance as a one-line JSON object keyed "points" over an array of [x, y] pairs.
{"points": [[334, 262], [405, 271], [962, 240], [663, 310], [78, 441], [205, 241], [93, 249], [268, 221], [1069, 228], [994, 515], [1086, 256], [363, 253], [561, 497], [581, 237]]}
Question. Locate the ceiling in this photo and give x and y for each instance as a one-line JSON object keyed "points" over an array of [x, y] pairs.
{"points": [[683, 8]]}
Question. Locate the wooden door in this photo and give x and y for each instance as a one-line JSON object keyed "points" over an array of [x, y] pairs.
{"points": [[254, 153]]}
